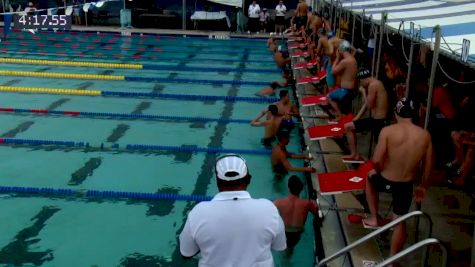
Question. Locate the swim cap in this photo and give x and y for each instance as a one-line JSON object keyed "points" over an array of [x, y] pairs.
{"points": [[345, 46], [363, 73], [285, 53], [405, 108]]}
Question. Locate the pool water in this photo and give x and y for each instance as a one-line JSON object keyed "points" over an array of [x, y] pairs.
{"points": [[76, 230]]}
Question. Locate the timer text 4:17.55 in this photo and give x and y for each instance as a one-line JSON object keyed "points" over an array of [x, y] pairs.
{"points": [[42, 22]]}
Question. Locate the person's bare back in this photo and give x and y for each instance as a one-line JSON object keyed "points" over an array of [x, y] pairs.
{"points": [[302, 9], [346, 70], [380, 108], [294, 211], [406, 146]]}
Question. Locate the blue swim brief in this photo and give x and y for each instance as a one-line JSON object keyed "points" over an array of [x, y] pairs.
{"points": [[339, 94]]}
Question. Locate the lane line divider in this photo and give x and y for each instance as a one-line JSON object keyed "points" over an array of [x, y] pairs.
{"points": [[70, 63], [126, 66], [125, 78], [122, 115], [136, 94], [134, 147], [63, 192], [63, 75]]}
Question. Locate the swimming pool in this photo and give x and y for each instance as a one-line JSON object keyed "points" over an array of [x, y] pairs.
{"points": [[101, 171]]}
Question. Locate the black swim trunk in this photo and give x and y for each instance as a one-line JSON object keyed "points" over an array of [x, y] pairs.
{"points": [[274, 85], [370, 124], [288, 124], [301, 21], [267, 142], [292, 238], [280, 20], [400, 191], [279, 169]]}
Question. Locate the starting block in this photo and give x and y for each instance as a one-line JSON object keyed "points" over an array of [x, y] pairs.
{"points": [[309, 64], [332, 130], [313, 79], [295, 39], [297, 46], [313, 100], [300, 54], [345, 181]]}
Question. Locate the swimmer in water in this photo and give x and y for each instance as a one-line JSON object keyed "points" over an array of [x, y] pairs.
{"points": [[280, 157]]}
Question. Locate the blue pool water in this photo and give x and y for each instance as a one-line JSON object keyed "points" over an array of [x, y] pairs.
{"points": [[74, 230]]}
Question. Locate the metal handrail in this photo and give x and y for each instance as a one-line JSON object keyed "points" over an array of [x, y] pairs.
{"points": [[377, 232], [416, 246]]}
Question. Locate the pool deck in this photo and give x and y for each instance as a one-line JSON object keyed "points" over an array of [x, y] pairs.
{"points": [[452, 211]]}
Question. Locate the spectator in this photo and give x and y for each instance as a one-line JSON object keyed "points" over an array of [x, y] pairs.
{"points": [[294, 211], [280, 11], [233, 229], [30, 9], [253, 13], [77, 12], [263, 18]]}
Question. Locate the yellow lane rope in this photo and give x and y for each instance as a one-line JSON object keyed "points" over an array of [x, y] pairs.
{"points": [[48, 90], [70, 63], [61, 75]]}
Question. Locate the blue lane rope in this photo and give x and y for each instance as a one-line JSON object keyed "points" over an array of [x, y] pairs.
{"points": [[194, 81], [193, 97], [99, 194], [127, 116], [132, 147], [207, 69]]}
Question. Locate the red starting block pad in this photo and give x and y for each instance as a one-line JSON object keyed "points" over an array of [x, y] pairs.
{"points": [[300, 54], [314, 100], [297, 46], [302, 65], [345, 181], [295, 39], [331, 130], [314, 79]]}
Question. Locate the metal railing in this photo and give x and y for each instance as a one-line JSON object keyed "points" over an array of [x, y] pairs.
{"points": [[375, 233], [416, 246]]}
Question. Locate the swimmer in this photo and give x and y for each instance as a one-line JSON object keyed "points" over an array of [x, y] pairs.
{"points": [[282, 58], [375, 100], [345, 69], [270, 90], [294, 211], [301, 16], [280, 157], [403, 151], [271, 124], [272, 43]]}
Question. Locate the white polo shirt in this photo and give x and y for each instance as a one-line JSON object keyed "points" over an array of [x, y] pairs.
{"points": [[254, 11], [233, 230], [280, 10]]}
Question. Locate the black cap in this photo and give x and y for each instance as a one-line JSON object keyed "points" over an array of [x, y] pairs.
{"points": [[363, 73], [405, 108]]}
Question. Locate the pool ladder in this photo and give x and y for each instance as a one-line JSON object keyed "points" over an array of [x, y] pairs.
{"points": [[401, 254]]}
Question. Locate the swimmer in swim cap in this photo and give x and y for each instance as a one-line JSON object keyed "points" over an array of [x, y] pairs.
{"points": [[345, 46], [345, 69]]}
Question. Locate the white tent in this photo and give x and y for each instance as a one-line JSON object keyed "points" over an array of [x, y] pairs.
{"points": [[456, 18], [236, 3]]}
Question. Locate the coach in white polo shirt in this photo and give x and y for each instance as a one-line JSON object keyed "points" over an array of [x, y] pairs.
{"points": [[233, 229]]}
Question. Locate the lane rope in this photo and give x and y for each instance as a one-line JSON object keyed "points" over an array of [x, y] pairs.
{"points": [[140, 95], [123, 115], [127, 66], [134, 147], [125, 78], [63, 192]]}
